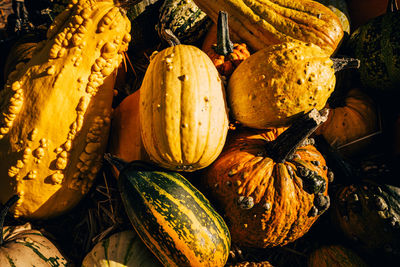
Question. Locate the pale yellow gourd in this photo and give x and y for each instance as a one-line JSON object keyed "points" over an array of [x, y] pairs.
{"points": [[55, 110]]}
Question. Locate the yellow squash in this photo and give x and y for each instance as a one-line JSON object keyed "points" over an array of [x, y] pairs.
{"points": [[55, 110]]}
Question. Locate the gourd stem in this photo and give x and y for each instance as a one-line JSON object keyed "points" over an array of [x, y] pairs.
{"points": [[3, 213], [392, 6], [345, 63], [284, 146], [224, 44], [170, 37], [115, 161]]}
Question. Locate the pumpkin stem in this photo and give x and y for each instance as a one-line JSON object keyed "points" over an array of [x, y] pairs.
{"points": [[115, 161], [345, 63], [3, 213], [224, 44], [392, 6], [284, 146], [170, 37]]}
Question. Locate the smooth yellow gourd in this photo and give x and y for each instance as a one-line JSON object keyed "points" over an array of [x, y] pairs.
{"points": [[55, 110], [183, 113]]}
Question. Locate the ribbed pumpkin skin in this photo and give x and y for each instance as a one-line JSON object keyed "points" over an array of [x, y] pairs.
{"points": [[339, 7], [262, 23], [334, 256], [278, 83], [123, 249], [183, 114], [56, 110], [356, 119], [185, 19], [282, 206], [24, 246], [173, 218], [376, 45]]}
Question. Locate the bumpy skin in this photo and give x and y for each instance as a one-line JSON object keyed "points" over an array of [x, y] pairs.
{"points": [[278, 83], [334, 256], [356, 119], [266, 203], [183, 113], [24, 246], [123, 249], [262, 23], [55, 110]]}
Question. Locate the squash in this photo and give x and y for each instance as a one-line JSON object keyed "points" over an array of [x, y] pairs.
{"points": [[225, 55], [368, 214], [270, 185], [185, 19], [124, 249], [339, 7], [376, 45], [55, 110], [350, 120], [175, 221], [334, 256], [263, 23], [183, 113], [279, 83], [23, 246]]}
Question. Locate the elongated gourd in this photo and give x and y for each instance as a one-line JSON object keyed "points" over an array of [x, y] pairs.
{"points": [[55, 110], [260, 23]]}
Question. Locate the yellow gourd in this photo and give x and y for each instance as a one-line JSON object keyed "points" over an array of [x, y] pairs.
{"points": [[55, 110]]}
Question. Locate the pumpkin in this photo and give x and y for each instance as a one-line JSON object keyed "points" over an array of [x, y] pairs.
{"points": [[369, 215], [339, 7], [376, 45], [225, 55], [185, 19], [175, 221], [279, 83], [361, 11], [124, 249], [350, 120], [23, 246], [334, 256], [269, 192], [183, 113], [263, 23], [55, 110]]}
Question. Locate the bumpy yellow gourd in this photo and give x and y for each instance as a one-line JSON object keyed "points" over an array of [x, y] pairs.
{"points": [[183, 113], [279, 83], [55, 110]]}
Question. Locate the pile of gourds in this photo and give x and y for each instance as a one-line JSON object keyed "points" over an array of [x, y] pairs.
{"points": [[218, 143]]}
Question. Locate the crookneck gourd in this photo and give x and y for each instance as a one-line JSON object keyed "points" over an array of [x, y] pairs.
{"points": [[263, 23], [55, 110], [183, 113], [279, 83], [270, 185]]}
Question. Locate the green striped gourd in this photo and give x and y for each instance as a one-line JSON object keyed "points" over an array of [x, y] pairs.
{"points": [[172, 217], [185, 19]]}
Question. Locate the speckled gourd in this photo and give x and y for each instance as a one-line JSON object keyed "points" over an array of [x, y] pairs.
{"points": [[55, 110]]}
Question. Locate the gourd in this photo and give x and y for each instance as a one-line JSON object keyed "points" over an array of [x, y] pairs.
{"points": [[376, 45], [225, 55], [124, 249], [263, 23], [278, 83], [334, 255], [55, 110], [251, 264], [175, 221], [183, 113], [270, 185], [367, 213], [185, 19], [350, 120], [23, 246], [339, 7]]}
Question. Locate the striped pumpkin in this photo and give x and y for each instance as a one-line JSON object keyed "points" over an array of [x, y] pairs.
{"points": [[173, 218], [122, 249]]}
